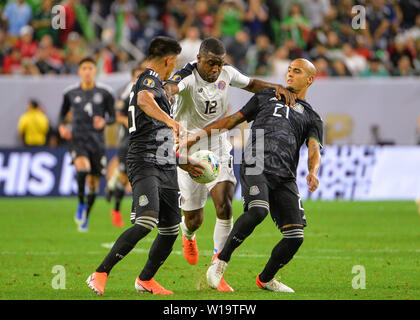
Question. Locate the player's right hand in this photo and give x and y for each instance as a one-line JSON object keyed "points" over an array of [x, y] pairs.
{"points": [[192, 166], [64, 132]]}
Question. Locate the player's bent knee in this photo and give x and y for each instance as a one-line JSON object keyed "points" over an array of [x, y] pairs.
{"points": [[293, 238], [224, 211], [258, 213], [148, 219]]}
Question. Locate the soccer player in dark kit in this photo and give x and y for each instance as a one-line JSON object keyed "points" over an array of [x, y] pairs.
{"points": [[92, 107], [152, 175], [118, 181], [269, 184]]}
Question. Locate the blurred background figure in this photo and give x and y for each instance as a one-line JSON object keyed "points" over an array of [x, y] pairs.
{"points": [[33, 125], [190, 46]]}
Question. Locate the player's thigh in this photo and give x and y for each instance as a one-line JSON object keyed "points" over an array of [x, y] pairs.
{"points": [[286, 206], [146, 200], [255, 191], [98, 162], [169, 208], [193, 194], [122, 157]]}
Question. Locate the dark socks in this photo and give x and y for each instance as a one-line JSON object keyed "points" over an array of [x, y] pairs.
{"points": [[90, 200], [119, 195], [282, 253], [81, 183], [159, 252], [242, 228], [124, 244]]}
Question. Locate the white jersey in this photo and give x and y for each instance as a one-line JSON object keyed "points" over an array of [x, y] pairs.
{"points": [[200, 103]]}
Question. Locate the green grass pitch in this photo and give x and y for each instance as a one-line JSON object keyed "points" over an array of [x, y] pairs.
{"points": [[383, 237]]}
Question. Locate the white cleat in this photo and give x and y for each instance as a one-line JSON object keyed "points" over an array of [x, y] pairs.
{"points": [[273, 285], [215, 272]]}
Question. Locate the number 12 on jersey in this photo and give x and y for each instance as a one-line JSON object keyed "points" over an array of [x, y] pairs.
{"points": [[210, 107]]}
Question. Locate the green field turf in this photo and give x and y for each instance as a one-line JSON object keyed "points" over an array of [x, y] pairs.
{"points": [[383, 237]]}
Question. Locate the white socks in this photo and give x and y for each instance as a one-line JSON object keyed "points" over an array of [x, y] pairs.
{"points": [[221, 232], [185, 231]]}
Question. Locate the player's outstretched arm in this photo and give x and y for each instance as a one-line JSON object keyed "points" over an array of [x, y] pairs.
{"points": [[225, 123], [314, 163], [256, 85]]}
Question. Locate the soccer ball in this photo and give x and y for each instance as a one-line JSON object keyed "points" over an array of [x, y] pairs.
{"points": [[211, 164]]}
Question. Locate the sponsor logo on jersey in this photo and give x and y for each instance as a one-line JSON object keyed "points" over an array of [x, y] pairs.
{"points": [[298, 108], [149, 82], [175, 77], [97, 98], [77, 99], [143, 201], [221, 85], [200, 90], [254, 190]]}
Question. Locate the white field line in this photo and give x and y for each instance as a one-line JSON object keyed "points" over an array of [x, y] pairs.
{"points": [[209, 253]]}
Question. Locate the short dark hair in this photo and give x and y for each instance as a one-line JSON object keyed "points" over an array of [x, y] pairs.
{"points": [[212, 45], [34, 103], [87, 59], [161, 47]]}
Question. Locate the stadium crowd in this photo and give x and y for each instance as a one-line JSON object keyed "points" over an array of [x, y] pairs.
{"points": [[261, 36]]}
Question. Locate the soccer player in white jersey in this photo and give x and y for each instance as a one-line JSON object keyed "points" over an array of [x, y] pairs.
{"points": [[201, 90]]}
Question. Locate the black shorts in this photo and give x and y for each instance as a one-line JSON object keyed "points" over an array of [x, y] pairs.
{"points": [[122, 155], [95, 154], [280, 197], [157, 191]]}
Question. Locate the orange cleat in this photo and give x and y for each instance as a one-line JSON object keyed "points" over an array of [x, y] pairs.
{"points": [[223, 286], [97, 281], [190, 250], [117, 219], [151, 286]]}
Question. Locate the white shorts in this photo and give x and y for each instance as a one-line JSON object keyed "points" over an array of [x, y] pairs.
{"points": [[194, 195]]}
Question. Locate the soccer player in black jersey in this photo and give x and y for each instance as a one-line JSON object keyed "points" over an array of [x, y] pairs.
{"points": [[118, 181], [92, 107], [269, 184], [151, 164]]}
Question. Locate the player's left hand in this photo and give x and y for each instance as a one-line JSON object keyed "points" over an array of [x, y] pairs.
{"points": [[289, 96], [98, 122], [312, 181]]}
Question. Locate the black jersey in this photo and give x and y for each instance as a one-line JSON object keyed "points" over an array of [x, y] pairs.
{"points": [[122, 108], [85, 104], [284, 131], [151, 141]]}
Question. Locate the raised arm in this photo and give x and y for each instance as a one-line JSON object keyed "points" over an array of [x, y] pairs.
{"points": [[225, 123], [256, 85], [314, 163]]}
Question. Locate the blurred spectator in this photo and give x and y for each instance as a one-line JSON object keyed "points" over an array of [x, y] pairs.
{"points": [[378, 17], [33, 125], [238, 49], [339, 69], [409, 9], [295, 26], [74, 50], [190, 47], [404, 67], [354, 62], [12, 63], [375, 69], [322, 67], [258, 56], [17, 14], [333, 46], [361, 47], [54, 55], [398, 50], [280, 63], [41, 21], [255, 16], [229, 20], [205, 19], [26, 44], [318, 10]]}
